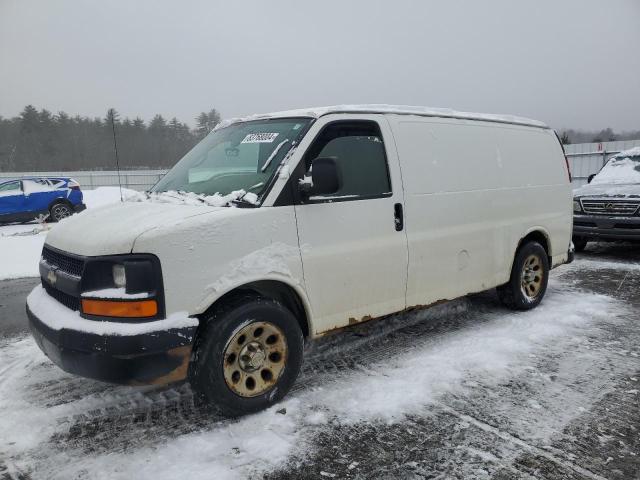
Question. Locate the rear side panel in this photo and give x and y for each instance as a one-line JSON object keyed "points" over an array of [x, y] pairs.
{"points": [[473, 190]]}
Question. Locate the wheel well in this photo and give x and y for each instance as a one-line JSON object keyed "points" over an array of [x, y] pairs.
{"points": [[275, 290], [60, 200], [537, 236]]}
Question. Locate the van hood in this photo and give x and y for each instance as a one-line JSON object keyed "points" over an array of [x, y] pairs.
{"points": [[113, 229], [631, 190]]}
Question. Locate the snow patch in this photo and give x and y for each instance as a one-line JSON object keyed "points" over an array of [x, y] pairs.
{"points": [[20, 248], [263, 263], [500, 346], [491, 351], [584, 264], [32, 186], [195, 199], [56, 316], [114, 293]]}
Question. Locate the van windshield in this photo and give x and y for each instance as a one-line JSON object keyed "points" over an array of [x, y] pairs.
{"points": [[623, 169], [242, 156]]}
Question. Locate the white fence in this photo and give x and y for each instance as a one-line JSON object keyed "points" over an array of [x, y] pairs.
{"points": [[584, 159], [588, 158], [133, 179]]}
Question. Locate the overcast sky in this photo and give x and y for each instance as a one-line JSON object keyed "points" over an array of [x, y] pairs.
{"points": [[571, 63]]}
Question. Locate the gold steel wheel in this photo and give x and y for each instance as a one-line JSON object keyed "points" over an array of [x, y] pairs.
{"points": [[254, 359], [532, 276]]}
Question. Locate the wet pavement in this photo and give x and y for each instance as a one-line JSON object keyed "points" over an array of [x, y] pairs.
{"points": [[13, 293]]}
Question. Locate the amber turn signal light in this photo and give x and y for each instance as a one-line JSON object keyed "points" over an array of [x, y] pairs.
{"points": [[111, 308]]}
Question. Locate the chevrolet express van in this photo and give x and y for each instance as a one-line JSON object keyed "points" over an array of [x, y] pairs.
{"points": [[277, 229]]}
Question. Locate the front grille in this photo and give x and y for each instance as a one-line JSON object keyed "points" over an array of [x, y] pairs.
{"points": [[63, 262], [583, 224], [610, 207], [65, 299]]}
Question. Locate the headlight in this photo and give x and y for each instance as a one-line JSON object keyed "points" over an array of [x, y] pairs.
{"points": [[138, 274], [576, 206], [119, 276]]}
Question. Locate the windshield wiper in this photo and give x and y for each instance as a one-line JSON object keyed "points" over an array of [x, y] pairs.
{"points": [[242, 203]]}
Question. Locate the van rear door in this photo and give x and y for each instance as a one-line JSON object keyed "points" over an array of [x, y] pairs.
{"points": [[353, 246]]}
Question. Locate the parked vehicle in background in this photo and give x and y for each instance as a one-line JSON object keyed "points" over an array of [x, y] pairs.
{"points": [[608, 207], [25, 199], [280, 228]]}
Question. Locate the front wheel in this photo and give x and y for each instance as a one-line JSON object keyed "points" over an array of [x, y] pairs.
{"points": [[529, 277], [248, 355]]}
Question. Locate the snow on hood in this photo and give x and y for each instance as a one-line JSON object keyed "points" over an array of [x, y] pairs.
{"points": [[604, 190], [112, 229], [632, 152], [621, 169]]}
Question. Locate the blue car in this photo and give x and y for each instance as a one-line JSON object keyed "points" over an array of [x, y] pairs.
{"points": [[27, 198]]}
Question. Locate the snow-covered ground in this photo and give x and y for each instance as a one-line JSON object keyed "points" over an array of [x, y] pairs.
{"points": [[20, 245], [483, 385]]}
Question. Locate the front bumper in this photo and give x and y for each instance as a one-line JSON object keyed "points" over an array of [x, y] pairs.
{"points": [[602, 227], [153, 358], [79, 207]]}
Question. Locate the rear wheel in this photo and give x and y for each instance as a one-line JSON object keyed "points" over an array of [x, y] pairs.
{"points": [[247, 356], [58, 211], [529, 277], [579, 243]]}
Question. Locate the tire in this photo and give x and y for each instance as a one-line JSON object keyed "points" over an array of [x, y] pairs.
{"points": [[579, 243], [529, 278], [224, 367], [58, 211]]}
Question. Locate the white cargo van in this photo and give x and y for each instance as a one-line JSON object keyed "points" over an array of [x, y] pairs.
{"points": [[279, 228]]}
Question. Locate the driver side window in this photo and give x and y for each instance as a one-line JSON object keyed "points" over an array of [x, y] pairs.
{"points": [[360, 155]]}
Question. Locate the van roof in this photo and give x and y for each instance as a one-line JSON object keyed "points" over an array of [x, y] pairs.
{"points": [[317, 112]]}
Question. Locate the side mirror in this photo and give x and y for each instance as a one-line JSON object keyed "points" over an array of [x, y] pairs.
{"points": [[590, 177], [325, 177]]}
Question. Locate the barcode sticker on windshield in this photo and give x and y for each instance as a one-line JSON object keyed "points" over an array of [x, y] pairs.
{"points": [[260, 138]]}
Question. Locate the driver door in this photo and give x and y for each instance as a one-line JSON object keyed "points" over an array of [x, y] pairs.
{"points": [[354, 253]]}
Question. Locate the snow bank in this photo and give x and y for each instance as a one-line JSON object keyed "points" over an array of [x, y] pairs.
{"points": [[106, 195], [21, 245], [20, 253], [56, 316]]}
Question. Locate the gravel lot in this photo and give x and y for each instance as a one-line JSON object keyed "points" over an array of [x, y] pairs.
{"points": [[463, 390]]}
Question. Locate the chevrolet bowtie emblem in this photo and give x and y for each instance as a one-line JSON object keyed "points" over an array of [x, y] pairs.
{"points": [[52, 277]]}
